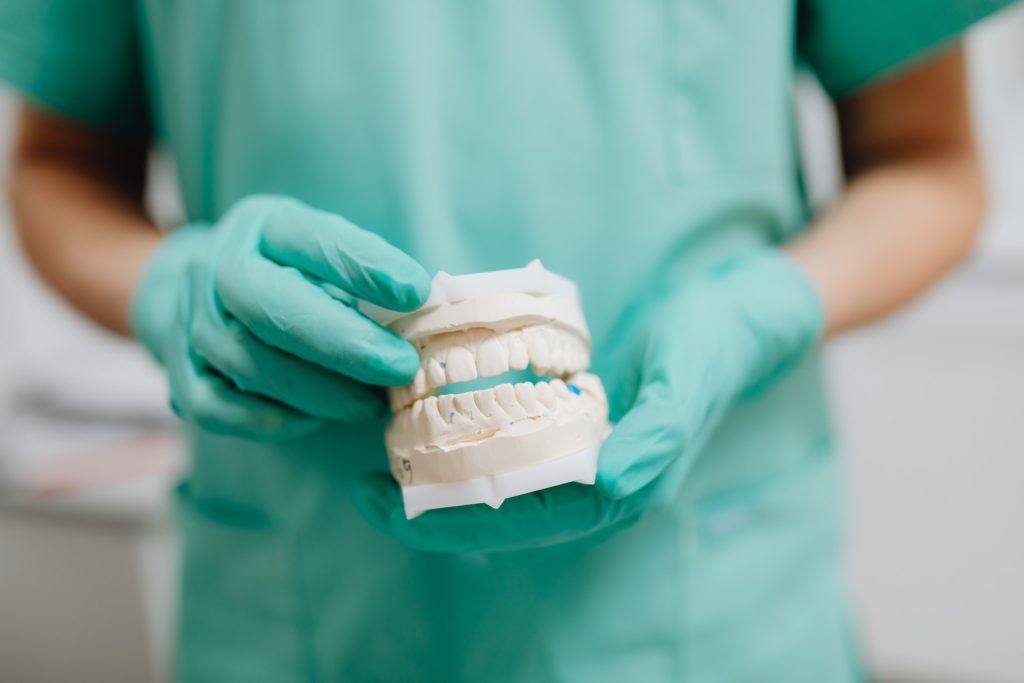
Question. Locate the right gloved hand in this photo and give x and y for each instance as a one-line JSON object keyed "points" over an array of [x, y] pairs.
{"points": [[254, 319]]}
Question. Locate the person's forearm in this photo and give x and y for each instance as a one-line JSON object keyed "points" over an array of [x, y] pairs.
{"points": [[77, 200], [915, 200], [895, 231]]}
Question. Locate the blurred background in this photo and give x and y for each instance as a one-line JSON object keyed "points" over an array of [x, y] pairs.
{"points": [[928, 405]]}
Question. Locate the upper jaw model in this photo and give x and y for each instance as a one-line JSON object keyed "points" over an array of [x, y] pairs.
{"points": [[486, 444]]}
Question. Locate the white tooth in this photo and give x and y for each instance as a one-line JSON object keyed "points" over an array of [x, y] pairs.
{"points": [[589, 384], [561, 391], [545, 394], [435, 374], [574, 385], [527, 396], [556, 341], [459, 365], [506, 397], [419, 383], [398, 397], [465, 406], [485, 402], [491, 357], [578, 358], [446, 406], [557, 359], [433, 414], [540, 355], [518, 358], [403, 396], [417, 420]]}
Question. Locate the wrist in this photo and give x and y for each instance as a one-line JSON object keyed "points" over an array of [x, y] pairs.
{"points": [[779, 314], [155, 297]]}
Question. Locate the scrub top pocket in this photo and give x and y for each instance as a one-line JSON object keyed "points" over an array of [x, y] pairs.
{"points": [[240, 617], [763, 581]]}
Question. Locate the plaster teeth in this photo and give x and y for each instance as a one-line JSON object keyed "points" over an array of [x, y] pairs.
{"points": [[399, 397], [527, 395], [492, 357], [446, 407], [588, 384], [518, 357], [465, 406], [416, 411], [505, 394], [460, 366], [537, 347], [455, 437], [557, 361], [419, 383], [561, 391], [545, 394], [465, 355], [435, 374], [487, 411], [432, 414], [486, 403]]}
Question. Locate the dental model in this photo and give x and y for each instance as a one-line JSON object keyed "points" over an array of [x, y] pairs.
{"points": [[492, 443]]}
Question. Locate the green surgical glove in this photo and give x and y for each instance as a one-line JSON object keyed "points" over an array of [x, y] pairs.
{"points": [[722, 336], [253, 319]]}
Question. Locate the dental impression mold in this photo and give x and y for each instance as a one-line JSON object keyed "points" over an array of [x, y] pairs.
{"points": [[492, 443]]}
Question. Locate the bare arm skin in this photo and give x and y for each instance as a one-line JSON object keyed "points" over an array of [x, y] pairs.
{"points": [[914, 201], [77, 196], [910, 212]]}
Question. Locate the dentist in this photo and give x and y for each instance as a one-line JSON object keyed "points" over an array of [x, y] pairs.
{"points": [[334, 151]]}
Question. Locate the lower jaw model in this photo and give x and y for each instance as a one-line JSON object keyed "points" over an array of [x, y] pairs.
{"points": [[483, 445]]}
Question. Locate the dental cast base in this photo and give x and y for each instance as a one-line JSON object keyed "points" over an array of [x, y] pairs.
{"points": [[488, 444]]}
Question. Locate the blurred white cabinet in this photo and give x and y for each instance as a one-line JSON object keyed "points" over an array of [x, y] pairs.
{"points": [[88, 564], [83, 599]]}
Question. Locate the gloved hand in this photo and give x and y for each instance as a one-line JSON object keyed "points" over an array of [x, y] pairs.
{"points": [[253, 319], [720, 337]]}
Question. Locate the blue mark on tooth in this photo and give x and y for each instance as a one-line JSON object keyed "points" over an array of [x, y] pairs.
{"points": [[573, 388], [451, 415], [443, 364]]}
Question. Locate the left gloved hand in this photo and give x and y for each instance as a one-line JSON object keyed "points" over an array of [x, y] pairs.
{"points": [[701, 348]]}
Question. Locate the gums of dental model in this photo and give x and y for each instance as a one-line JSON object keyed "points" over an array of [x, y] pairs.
{"points": [[485, 445]]}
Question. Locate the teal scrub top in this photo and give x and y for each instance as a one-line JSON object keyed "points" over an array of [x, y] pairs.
{"points": [[625, 143]]}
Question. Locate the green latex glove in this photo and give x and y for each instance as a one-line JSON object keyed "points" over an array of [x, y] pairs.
{"points": [[253, 319], [700, 349]]}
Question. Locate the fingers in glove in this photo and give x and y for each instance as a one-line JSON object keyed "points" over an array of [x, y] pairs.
{"points": [[256, 368], [213, 404], [209, 401], [647, 440], [331, 249], [287, 311]]}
